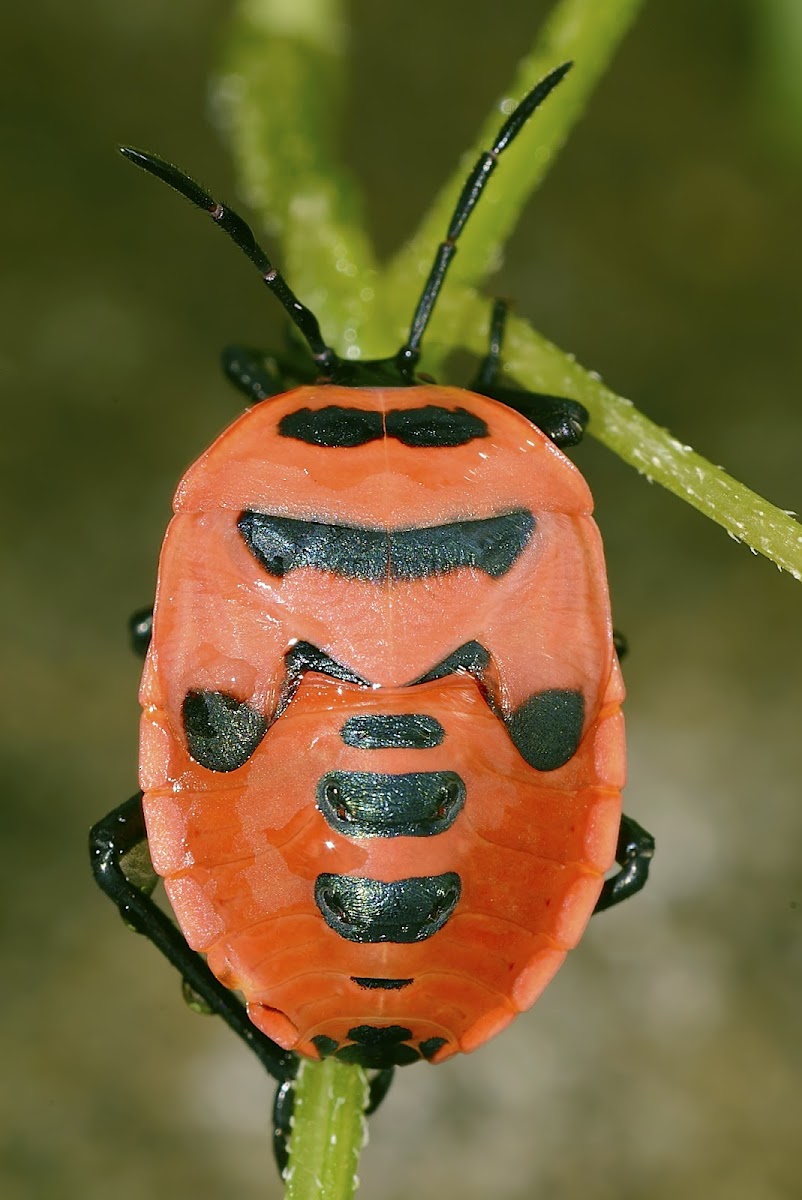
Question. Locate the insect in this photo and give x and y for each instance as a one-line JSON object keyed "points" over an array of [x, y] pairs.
{"points": [[382, 748]]}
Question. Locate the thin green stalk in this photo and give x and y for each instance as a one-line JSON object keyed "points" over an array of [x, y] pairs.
{"points": [[587, 32], [279, 97], [328, 1131], [653, 451]]}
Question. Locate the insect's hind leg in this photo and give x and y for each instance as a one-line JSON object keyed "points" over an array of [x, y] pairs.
{"points": [[140, 630], [111, 842], [562, 420], [633, 854]]}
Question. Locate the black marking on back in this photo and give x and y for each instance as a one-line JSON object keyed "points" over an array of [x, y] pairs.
{"points": [[332, 426], [366, 804], [432, 425], [339, 427], [325, 1045], [380, 1057], [303, 656], [221, 731], [430, 1047], [283, 544], [470, 657], [547, 728], [370, 910], [370, 982], [391, 731], [379, 1035], [491, 545], [379, 1046]]}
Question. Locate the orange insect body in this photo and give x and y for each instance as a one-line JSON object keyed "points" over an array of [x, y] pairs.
{"points": [[382, 748]]}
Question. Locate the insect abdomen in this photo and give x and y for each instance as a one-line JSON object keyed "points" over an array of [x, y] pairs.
{"points": [[386, 854]]}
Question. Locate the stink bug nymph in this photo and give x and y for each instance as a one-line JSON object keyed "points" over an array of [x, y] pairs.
{"points": [[382, 750]]}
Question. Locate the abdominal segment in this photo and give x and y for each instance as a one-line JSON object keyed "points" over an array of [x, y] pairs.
{"points": [[386, 877]]}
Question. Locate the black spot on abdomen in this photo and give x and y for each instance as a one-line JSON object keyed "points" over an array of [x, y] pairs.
{"points": [[376, 982], [369, 804], [221, 731], [547, 728], [392, 731], [379, 1046], [430, 1047], [370, 910]]}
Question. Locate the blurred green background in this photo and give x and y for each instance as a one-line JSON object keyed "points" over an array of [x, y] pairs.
{"points": [[664, 250]]}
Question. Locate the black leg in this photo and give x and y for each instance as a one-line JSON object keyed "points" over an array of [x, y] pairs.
{"points": [[486, 376], [562, 420], [140, 630], [116, 836], [408, 355], [633, 854], [242, 236], [260, 374], [379, 1087], [283, 1106]]}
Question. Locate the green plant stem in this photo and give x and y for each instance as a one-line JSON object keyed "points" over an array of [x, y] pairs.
{"points": [[653, 451], [278, 98], [587, 32], [328, 1131]]}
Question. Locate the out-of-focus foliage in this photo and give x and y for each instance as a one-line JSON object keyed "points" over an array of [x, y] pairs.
{"points": [[664, 251]]}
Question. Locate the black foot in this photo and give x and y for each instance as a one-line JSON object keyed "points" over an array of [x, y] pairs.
{"points": [[620, 644], [633, 854], [140, 630], [562, 420]]}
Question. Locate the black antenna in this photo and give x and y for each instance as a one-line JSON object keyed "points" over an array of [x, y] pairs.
{"points": [[409, 353], [242, 235]]}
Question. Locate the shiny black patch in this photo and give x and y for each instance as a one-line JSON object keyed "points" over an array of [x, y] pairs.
{"points": [[431, 426], [283, 544], [332, 426], [379, 1046], [221, 731], [491, 545], [470, 657], [379, 1035], [430, 1047], [391, 731], [370, 910], [369, 982], [379, 1056], [336, 426], [547, 728], [369, 804], [325, 1045], [305, 657]]}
